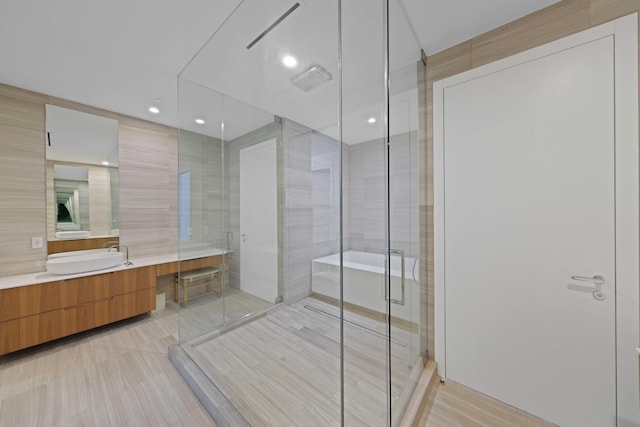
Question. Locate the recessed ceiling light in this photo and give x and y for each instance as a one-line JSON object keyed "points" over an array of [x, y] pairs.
{"points": [[289, 61], [154, 110], [105, 163], [200, 121], [372, 120]]}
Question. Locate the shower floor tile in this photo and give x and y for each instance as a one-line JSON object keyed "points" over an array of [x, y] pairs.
{"points": [[283, 369], [208, 312]]}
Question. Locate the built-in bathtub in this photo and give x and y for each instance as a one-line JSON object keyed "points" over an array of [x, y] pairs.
{"points": [[364, 281]]}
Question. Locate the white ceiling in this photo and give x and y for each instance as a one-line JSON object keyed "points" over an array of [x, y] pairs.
{"points": [[441, 24], [124, 55]]}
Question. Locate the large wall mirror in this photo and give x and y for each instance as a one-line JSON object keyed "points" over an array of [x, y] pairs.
{"points": [[82, 175]]}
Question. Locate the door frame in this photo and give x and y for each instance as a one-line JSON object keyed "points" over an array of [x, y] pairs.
{"points": [[627, 219]]}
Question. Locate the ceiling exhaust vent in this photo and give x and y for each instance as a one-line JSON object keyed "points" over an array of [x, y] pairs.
{"points": [[311, 78]]}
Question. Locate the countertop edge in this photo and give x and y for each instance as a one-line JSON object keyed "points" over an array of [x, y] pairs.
{"points": [[8, 282]]}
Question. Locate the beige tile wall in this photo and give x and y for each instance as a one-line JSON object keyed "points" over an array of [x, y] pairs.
{"points": [[556, 21], [298, 211], [22, 169], [148, 187], [202, 156], [99, 201], [148, 181]]}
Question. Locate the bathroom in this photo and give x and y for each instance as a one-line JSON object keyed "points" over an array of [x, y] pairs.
{"points": [[268, 171], [178, 192]]}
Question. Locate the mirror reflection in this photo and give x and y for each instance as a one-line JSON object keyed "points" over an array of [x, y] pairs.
{"points": [[71, 184], [82, 175]]}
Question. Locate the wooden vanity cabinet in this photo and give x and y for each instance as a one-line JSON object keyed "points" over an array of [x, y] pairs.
{"points": [[31, 315], [28, 331], [29, 300]]}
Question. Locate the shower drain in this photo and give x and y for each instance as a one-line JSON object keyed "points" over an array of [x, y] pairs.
{"points": [[357, 325]]}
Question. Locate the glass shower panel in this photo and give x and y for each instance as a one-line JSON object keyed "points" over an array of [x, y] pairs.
{"points": [[406, 349], [406, 354], [252, 151], [200, 210], [276, 66], [364, 128], [380, 105]]}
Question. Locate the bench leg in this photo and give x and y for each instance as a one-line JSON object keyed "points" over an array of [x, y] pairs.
{"points": [[175, 288], [186, 292], [219, 278]]}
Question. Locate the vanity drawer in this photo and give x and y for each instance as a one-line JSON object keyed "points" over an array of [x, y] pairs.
{"points": [[195, 264], [128, 305], [87, 289], [86, 316], [31, 330], [167, 268], [134, 279], [191, 264], [28, 300]]}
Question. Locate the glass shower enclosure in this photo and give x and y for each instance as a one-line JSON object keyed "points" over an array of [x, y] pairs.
{"points": [[299, 148]]}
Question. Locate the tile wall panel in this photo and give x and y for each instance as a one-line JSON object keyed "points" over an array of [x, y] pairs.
{"points": [[148, 193], [148, 188], [298, 211], [22, 169]]}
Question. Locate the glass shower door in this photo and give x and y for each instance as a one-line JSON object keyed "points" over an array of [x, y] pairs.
{"points": [[406, 317], [404, 307], [221, 189], [366, 336], [381, 135], [201, 202]]}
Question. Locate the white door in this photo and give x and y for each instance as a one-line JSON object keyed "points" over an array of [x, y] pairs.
{"points": [[259, 221], [529, 206]]}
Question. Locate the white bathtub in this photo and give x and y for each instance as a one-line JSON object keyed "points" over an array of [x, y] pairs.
{"points": [[364, 281]]}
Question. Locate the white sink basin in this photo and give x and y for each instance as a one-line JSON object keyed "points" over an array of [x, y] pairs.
{"points": [[82, 263], [76, 253], [72, 234]]}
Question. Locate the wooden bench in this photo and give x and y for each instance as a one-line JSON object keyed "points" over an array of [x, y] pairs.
{"points": [[202, 277]]}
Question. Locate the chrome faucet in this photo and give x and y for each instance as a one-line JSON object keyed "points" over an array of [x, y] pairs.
{"points": [[111, 244], [127, 262], [118, 245]]}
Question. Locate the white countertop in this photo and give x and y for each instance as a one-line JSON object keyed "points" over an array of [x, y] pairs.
{"points": [[8, 282]]}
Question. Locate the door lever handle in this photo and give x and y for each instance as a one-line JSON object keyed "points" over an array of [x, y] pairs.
{"points": [[596, 279]]}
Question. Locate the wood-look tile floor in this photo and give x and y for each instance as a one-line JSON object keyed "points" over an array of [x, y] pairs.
{"points": [[453, 405], [208, 312], [283, 369], [118, 375]]}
